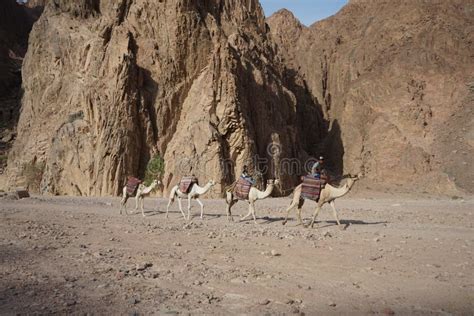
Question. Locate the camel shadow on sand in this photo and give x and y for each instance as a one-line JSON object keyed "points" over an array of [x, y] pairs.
{"points": [[266, 220], [345, 222], [151, 213], [348, 222]]}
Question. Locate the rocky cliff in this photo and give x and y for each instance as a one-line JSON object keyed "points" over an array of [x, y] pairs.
{"points": [[15, 24], [395, 79], [108, 84]]}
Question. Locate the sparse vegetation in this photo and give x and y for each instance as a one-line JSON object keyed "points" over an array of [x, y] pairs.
{"points": [[154, 169]]}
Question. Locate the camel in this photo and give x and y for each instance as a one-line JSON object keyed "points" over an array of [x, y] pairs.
{"points": [[195, 193], [328, 195], [142, 191], [254, 195]]}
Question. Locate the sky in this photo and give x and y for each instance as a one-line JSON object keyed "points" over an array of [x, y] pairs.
{"points": [[307, 11]]}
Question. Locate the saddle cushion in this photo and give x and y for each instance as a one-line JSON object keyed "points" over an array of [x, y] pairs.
{"points": [[186, 184], [242, 189], [132, 185], [311, 188]]}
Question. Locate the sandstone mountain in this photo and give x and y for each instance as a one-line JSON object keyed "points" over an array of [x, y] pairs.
{"points": [[396, 82], [109, 84], [383, 87]]}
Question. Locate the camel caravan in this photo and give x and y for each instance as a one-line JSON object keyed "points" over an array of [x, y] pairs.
{"points": [[317, 186]]}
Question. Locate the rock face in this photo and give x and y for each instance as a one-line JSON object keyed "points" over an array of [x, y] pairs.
{"points": [[15, 25], [109, 83], [395, 79]]}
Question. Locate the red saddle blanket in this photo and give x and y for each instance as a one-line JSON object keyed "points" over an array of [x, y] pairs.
{"points": [[186, 184], [242, 189], [311, 188], [132, 185]]}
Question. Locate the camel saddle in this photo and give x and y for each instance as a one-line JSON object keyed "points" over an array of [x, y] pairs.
{"points": [[242, 189], [132, 185], [187, 183], [312, 187]]}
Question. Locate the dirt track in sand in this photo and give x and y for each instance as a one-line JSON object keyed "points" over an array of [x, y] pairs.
{"points": [[78, 255]]}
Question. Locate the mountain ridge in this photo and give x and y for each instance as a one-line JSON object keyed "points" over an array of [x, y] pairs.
{"points": [[389, 68]]}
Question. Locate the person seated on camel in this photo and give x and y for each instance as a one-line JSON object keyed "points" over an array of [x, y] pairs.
{"points": [[317, 168], [245, 175]]}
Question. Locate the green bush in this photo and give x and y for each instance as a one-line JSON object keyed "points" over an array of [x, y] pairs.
{"points": [[155, 169]]}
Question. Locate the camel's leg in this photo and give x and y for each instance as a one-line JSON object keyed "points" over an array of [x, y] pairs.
{"points": [[248, 214], [142, 202], [300, 207], [335, 213], [137, 197], [126, 201], [168, 207], [318, 208], [202, 207], [292, 205], [252, 206], [189, 207], [230, 218], [181, 208], [230, 201], [123, 204]]}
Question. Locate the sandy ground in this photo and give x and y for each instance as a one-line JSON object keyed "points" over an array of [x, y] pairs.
{"points": [[79, 256]]}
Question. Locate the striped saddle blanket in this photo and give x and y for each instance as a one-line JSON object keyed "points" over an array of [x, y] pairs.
{"points": [[242, 189], [132, 185], [186, 184], [311, 188]]}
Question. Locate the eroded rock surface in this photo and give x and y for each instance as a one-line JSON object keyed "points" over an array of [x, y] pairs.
{"points": [[16, 21], [110, 83], [395, 79]]}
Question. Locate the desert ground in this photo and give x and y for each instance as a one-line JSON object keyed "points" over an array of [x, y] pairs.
{"points": [[394, 255]]}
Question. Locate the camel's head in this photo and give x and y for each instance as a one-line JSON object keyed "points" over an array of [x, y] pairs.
{"points": [[353, 178], [357, 176], [212, 183], [156, 182]]}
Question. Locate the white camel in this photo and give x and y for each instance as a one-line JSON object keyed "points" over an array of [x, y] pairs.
{"points": [[142, 191], [328, 195], [195, 192], [254, 195]]}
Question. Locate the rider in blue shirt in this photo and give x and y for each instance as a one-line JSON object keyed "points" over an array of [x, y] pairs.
{"points": [[317, 168], [245, 175]]}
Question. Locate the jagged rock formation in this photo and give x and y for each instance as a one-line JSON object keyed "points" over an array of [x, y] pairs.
{"points": [[395, 79], [15, 24], [109, 83]]}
